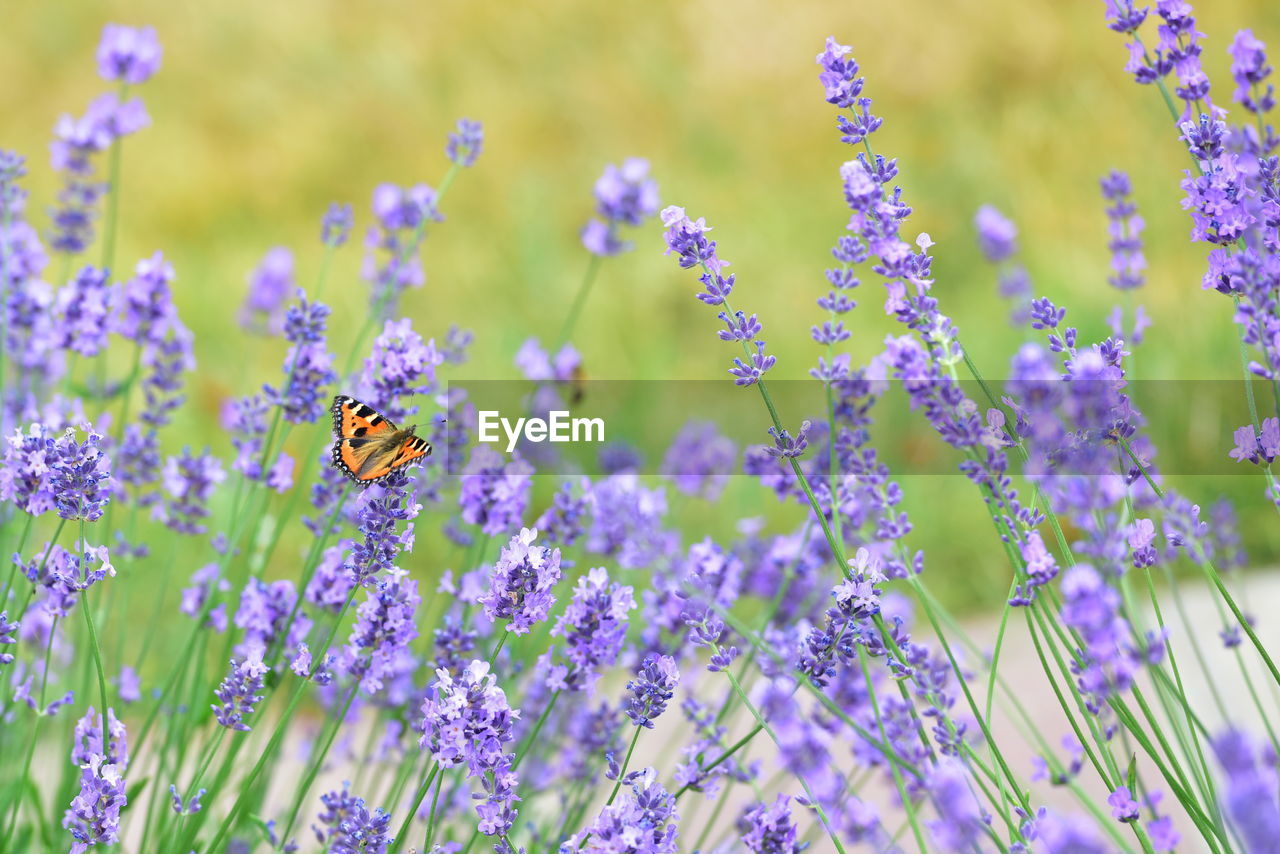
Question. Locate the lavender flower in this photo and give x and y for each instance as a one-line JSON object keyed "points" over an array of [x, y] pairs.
{"points": [[465, 145], [401, 365], [687, 239], [7, 638], [1091, 608], [594, 627], [1127, 260], [1123, 806], [466, 721], [700, 460], [128, 54], [335, 228], [768, 829], [144, 307], [76, 142], [79, 474], [1258, 447], [264, 608], [351, 827], [269, 286], [94, 815], [165, 362], [997, 235], [625, 195], [383, 630], [652, 688], [308, 364], [82, 307], [205, 583], [521, 583], [494, 492], [563, 523], [189, 807], [627, 522], [24, 471], [238, 693], [1250, 70], [642, 821], [189, 481], [1249, 793], [403, 214], [382, 508]]}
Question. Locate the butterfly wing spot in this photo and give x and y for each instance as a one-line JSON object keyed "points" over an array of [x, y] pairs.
{"points": [[353, 418]]}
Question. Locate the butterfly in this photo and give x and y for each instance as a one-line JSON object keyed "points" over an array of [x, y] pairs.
{"points": [[369, 446]]}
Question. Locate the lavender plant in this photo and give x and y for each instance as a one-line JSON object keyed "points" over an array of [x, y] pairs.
{"points": [[575, 676]]}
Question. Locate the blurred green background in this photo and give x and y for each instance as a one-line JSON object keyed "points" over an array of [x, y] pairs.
{"points": [[265, 112]]}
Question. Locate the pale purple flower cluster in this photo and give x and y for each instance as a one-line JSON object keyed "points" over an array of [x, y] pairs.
{"points": [[383, 630], [94, 815], [335, 226], [495, 491], [382, 510], [642, 821], [401, 365], [521, 583], [189, 482], [308, 364], [700, 460], [768, 829], [349, 826], [625, 195], [270, 284], [627, 520], [465, 144], [79, 475], [466, 721], [239, 693], [687, 239], [652, 688], [128, 54], [391, 247], [82, 306], [594, 627]]}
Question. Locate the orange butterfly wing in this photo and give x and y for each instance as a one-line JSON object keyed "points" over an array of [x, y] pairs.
{"points": [[366, 449], [355, 420]]}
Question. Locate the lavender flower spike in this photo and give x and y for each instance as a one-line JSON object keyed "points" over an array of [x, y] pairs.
{"points": [[521, 582]]}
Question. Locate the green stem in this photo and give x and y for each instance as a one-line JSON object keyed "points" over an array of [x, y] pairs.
{"points": [[579, 300]]}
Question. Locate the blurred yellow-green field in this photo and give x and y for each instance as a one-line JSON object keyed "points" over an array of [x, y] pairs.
{"points": [[263, 113]]}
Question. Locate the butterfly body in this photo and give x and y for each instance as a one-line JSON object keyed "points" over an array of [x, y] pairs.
{"points": [[369, 446]]}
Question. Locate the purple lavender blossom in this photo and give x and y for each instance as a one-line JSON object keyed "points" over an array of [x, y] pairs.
{"points": [[7, 630], [642, 821], [563, 522], [128, 54], [401, 365], [1125, 225], [336, 225], [1249, 793], [205, 583], [997, 235], [1091, 608], [960, 818], [466, 721], [165, 361], [1123, 805], [403, 214], [331, 583], [264, 608], [238, 693], [308, 364], [1250, 70], [627, 522], [94, 815], [651, 689], [144, 307], [594, 627], [79, 475], [625, 195], [270, 284], [82, 306], [383, 507], [383, 630], [76, 142], [1258, 447], [246, 420], [540, 366], [465, 144], [700, 460], [24, 471], [189, 482], [768, 829], [351, 828], [521, 583], [495, 491]]}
